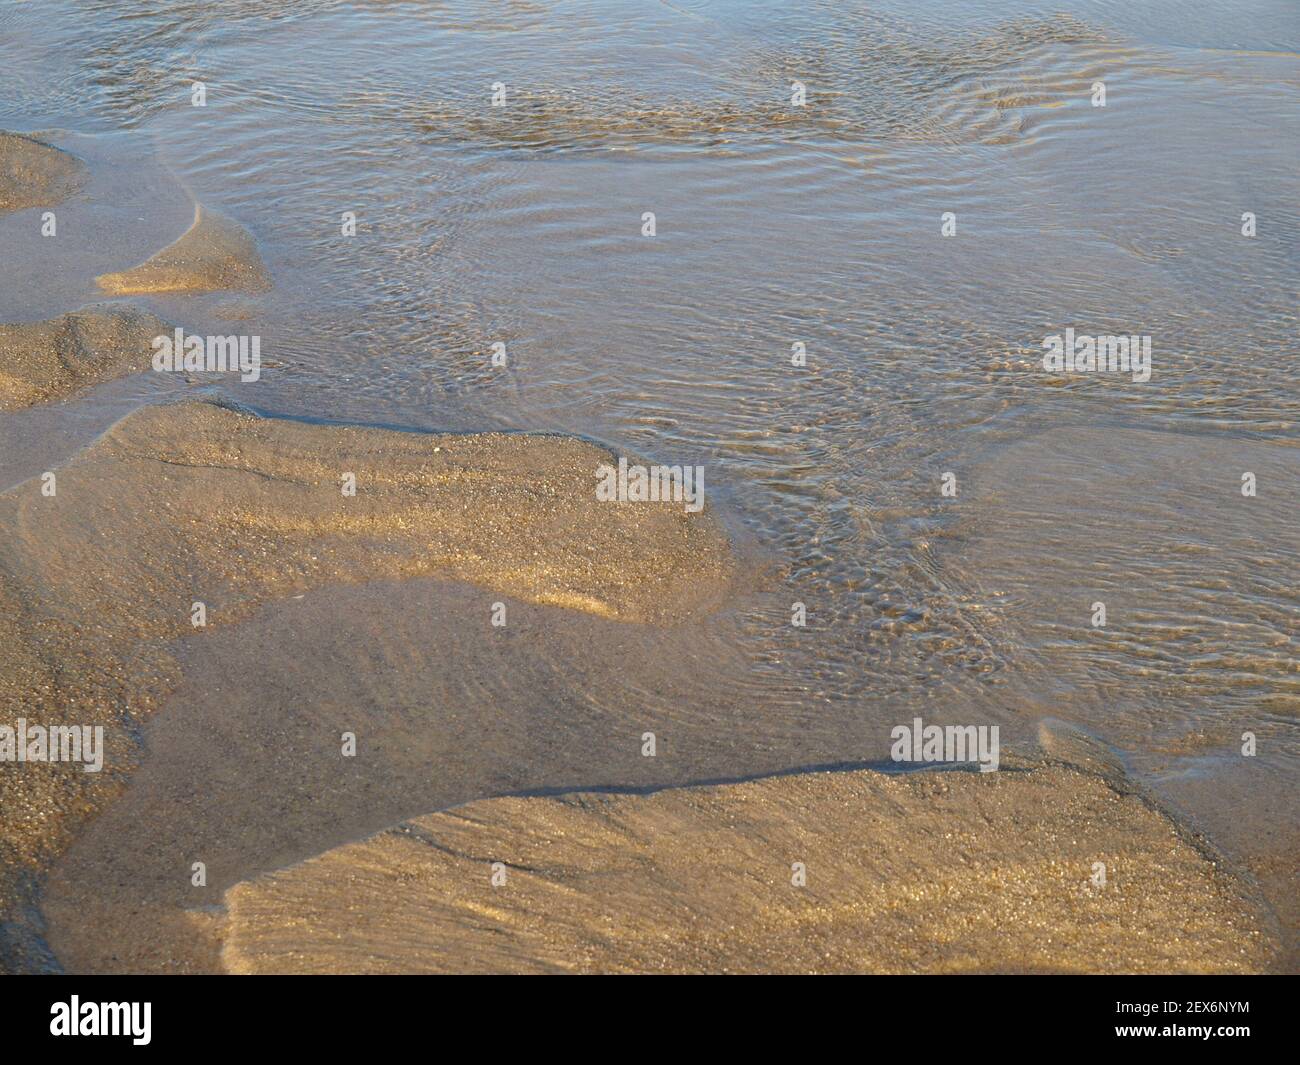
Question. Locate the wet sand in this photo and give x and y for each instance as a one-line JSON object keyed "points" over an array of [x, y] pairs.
{"points": [[195, 503], [127, 206], [34, 173], [215, 254], [44, 361], [329, 614], [246, 772], [921, 872]]}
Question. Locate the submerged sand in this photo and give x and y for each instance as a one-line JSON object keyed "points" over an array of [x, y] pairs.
{"points": [[215, 254], [916, 873], [197, 503], [889, 84], [35, 174], [45, 361]]}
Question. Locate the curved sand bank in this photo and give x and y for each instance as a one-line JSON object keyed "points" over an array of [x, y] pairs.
{"points": [[194, 502], [922, 872], [214, 255], [44, 361], [35, 174]]}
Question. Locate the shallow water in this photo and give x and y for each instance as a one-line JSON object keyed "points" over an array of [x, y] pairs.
{"points": [[775, 225]]}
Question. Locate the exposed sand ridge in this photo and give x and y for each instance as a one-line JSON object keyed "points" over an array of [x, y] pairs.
{"points": [[918, 872]]}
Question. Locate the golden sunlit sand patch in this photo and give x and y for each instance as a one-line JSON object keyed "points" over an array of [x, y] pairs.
{"points": [[215, 254], [45, 361], [35, 174], [920, 872], [194, 502]]}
